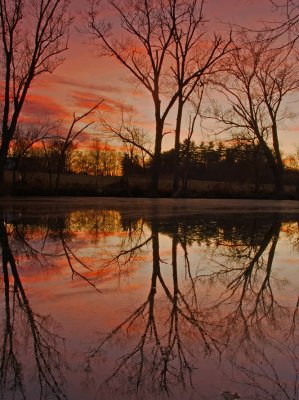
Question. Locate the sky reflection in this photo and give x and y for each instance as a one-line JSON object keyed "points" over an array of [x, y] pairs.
{"points": [[97, 303]]}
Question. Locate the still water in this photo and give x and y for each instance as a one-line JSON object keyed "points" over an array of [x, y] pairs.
{"points": [[127, 299]]}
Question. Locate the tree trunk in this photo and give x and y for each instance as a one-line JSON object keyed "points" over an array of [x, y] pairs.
{"points": [[156, 258], [156, 169], [186, 167], [276, 167], [279, 173], [176, 172]]}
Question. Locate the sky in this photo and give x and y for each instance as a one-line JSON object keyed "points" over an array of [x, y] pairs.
{"points": [[84, 78]]}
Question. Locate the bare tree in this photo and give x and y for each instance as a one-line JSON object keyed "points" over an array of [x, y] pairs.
{"points": [[195, 58], [186, 152], [154, 34], [259, 79], [55, 158], [34, 34], [71, 136], [142, 53], [25, 138], [136, 141]]}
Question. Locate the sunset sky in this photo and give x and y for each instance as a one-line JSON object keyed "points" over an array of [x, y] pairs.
{"points": [[84, 79]]}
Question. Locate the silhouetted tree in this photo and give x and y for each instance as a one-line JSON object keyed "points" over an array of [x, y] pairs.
{"points": [[33, 34], [187, 147], [194, 61], [57, 159], [68, 140], [135, 140], [259, 78], [155, 30], [24, 139]]}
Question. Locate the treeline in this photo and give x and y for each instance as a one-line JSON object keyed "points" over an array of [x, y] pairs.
{"points": [[48, 156], [236, 160], [49, 167]]}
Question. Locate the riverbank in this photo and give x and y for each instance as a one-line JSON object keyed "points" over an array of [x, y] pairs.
{"points": [[147, 207], [41, 184]]}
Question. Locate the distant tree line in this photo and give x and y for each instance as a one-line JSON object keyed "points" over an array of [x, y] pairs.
{"points": [[237, 160], [48, 156], [234, 160]]}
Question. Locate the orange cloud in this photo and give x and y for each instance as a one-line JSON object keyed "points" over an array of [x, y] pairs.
{"points": [[39, 107], [87, 100], [84, 100]]}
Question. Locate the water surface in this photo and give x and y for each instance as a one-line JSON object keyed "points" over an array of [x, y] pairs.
{"points": [[149, 299]]}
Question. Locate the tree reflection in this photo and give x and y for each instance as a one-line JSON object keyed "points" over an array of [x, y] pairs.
{"points": [[259, 331], [246, 270], [21, 322], [211, 294], [30, 343], [263, 375], [162, 354]]}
